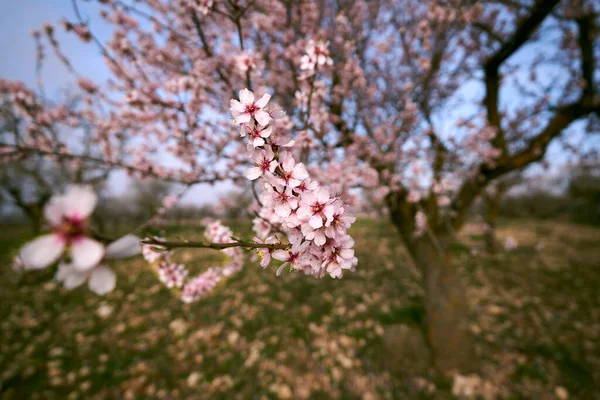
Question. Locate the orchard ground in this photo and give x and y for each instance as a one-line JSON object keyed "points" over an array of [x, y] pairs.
{"points": [[536, 322]]}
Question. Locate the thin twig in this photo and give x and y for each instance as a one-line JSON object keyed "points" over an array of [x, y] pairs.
{"points": [[217, 246]]}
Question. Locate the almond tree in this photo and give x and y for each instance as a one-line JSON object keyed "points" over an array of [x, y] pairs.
{"points": [[423, 104]]}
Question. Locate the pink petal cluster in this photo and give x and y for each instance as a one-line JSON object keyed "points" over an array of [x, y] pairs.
{"points": [[314, 221], [216, 232], [200, 286], [171, 274], [177, 276], [153, 253], [317, 54]]}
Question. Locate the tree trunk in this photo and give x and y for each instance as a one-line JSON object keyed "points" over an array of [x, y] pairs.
{"points": [[446, 306], [491, 243], [492, 203], [446, 309]]}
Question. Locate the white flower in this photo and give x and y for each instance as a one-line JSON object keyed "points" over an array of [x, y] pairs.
{"points": [[244, 110], [68, 215], [292, 257], [256, 134], [316, 207], [316, 54], [265, 163], [101, 279], [292, 174]]}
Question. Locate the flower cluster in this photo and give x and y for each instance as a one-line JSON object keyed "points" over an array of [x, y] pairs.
{"points": [[216, 232], [201, 285], [72, 243], [175, 276], [314, 221], [172, 274], [317, 54], [153, 253]]}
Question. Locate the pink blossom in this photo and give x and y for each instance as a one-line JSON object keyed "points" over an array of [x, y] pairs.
{"points": [[292, 257], [265, 253], [316, 208], [153, 253], [341, 220], [256, 133], [101, 279], [317, 54], [292, 174], [245, 62], [244, 110], [68, 215], [339, 256], [265, 163], [200, 286], [280, 198], [172, 274]]}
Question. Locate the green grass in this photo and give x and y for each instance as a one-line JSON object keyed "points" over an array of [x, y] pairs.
{"points": [[536, 318]]}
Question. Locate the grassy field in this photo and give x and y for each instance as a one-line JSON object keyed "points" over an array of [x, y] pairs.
{"points": [[536, 319]]}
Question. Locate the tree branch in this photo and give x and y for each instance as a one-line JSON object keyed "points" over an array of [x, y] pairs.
{"points": [[523, 32], [216, 246]]}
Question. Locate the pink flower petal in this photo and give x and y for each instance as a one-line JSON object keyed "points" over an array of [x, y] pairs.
{"points": [[263, 100], [86, 253], [253, 173], [237, 106], [315, 222], [262, 117], [246, 97], [242, 119], [69, 276], [281, 255], [127, 246], [102, 280], [79, 202], [43, 251], [53, 211]]}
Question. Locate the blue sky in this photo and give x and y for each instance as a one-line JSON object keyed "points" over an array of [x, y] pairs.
{"points": [[19, 18]]}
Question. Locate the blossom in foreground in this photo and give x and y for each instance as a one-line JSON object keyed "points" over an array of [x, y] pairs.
{"points": [[265, 253], [257, 133], [292, 174], [291, 257], [316, 208], [101, 279], [339, 255], [246, 108], [68, 215], [314, 221], [265, 163]]}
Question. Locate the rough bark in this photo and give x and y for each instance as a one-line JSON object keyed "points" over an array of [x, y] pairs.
{"points": [[447, 310], [446, 306], [492, 205]]}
